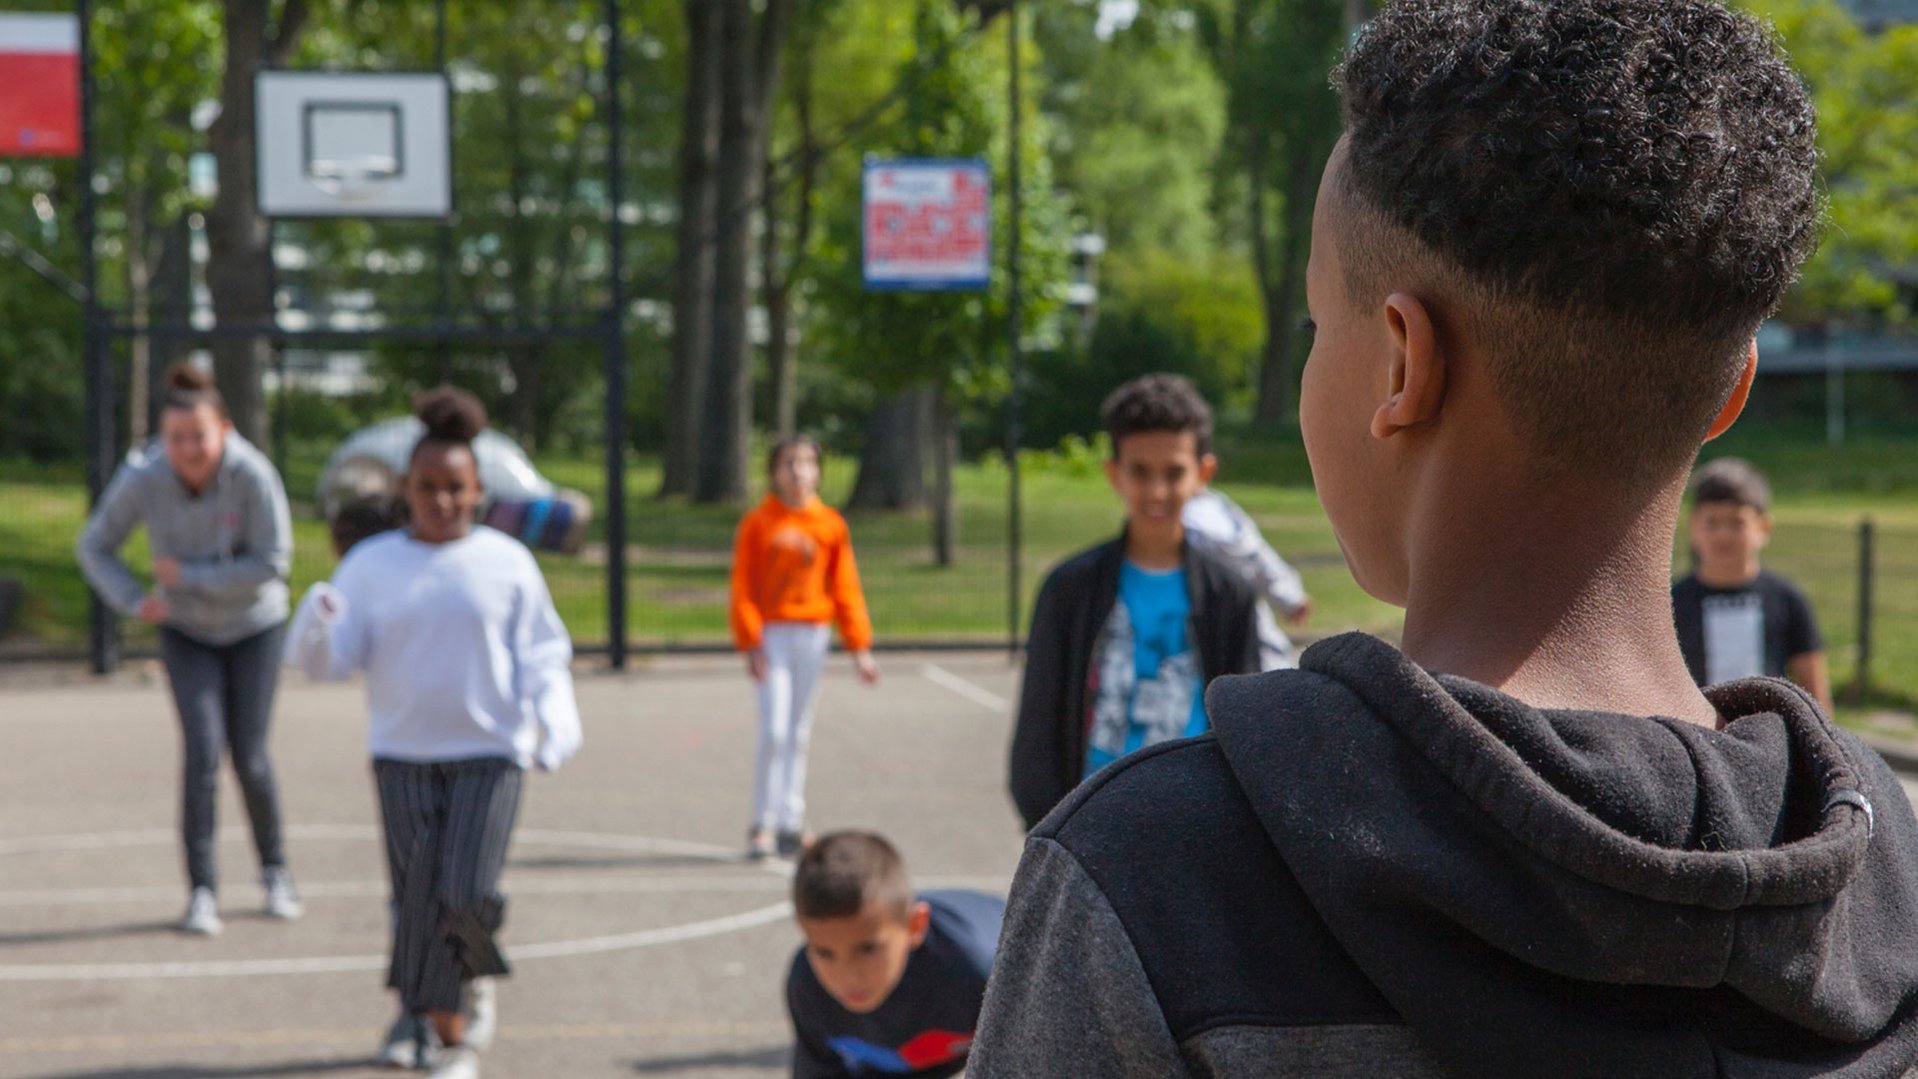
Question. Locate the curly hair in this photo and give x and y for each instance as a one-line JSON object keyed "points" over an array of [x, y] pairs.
{"points": [[1158, 402], [1620, 191], [452, 417]]}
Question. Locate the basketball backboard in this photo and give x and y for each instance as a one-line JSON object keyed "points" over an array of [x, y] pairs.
{"points": [[353, 144]]}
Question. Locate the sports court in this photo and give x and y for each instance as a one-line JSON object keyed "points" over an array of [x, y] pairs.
{"points": [[644, 944]]}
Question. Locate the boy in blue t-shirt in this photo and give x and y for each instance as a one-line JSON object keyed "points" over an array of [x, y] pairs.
{"points": [[1126, 636], [888, 983]]}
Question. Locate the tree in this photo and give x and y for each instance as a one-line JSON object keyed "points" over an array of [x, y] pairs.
{"points": [[1274, 57], [749, 59], [926, 356], [1863, 83], [239, 273], [693, 253]]}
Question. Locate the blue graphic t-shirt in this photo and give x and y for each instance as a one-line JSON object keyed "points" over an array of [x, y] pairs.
{"points": [[924, 1029], [1148, 682]]}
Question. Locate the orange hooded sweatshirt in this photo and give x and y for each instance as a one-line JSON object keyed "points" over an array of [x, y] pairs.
{"points": [[795, 565]]}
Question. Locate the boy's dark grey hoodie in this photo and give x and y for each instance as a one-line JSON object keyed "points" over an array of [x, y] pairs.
{"points": [[1370, 870]]}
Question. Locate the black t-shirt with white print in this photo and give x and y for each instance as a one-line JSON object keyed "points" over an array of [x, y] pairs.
{"points": [[1742, 632]]}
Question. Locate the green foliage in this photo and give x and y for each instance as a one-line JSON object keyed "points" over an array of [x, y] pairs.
{"points": [[1158, 313], [957, 108], [1864, 85]]}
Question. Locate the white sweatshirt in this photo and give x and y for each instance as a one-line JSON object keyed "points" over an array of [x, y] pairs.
{"points": [[464, 654]]}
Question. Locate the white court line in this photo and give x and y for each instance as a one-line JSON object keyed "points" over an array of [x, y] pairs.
{"points": [[66, 972], [81, 972], [516, 885], [971, 691]]}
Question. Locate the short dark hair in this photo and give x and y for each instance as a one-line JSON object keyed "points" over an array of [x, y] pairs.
{"points": [[1730, 479], [787, 442], [1157, 402], [843, 871], [1619, 190], [363, 518]]}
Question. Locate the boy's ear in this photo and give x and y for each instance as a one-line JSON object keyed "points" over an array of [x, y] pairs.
{"points": [[1735, 404], [1208, 468], [919, 922], [1112, 472], [1417, 379]]}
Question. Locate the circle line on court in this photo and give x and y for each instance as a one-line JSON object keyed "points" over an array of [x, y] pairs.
{"points": [[613, 942]]}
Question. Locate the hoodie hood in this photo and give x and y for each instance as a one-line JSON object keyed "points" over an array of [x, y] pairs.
{"points": [[1564, 892]]}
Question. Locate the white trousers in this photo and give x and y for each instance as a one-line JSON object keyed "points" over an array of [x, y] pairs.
{"points": [[795, 654]]}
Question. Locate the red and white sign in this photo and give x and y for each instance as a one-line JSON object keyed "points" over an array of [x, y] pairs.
{"points": [[928, 224], [39, 85]]}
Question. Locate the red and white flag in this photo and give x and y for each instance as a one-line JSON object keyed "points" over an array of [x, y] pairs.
{"points": [[39, 85]]}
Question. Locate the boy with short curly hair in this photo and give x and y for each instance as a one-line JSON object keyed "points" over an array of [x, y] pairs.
{"points": [[1526, 843]]}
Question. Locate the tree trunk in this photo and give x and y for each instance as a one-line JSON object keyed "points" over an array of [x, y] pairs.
{"points": [[239, 272], [892, 467], [139, 293], [523, 360], [749, 67], [1278, 368], [945, 452], [776, 279], [693, 259]]}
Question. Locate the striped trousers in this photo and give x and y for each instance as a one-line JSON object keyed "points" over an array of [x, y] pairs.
{"points": [[447, 827]]}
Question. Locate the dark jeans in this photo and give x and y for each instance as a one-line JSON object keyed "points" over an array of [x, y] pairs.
{"points": [[224, 694]]}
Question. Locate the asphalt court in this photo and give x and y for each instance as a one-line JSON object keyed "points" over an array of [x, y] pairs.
{"points": [[643, 943]]}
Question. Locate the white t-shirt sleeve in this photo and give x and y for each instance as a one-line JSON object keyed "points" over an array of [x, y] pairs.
{"points": [[543, 656], [329, 634]]}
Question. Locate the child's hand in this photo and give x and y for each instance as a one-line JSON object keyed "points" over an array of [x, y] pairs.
{"points": [[153, 610], [1301, 614], [756, 664], [167, 572], [863, 662]]}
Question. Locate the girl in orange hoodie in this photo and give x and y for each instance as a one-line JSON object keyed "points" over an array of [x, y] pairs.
{"points": [[793, 577]]}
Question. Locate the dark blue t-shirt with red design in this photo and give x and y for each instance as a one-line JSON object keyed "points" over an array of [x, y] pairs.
{"points": [[925, 1027]]}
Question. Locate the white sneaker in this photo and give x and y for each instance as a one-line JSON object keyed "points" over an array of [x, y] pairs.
{"points": [[410, 1043], [456, 1062], [482, 1012], [282, 901], [202, 914]]}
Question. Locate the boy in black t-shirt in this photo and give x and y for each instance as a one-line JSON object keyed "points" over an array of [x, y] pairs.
{"points": [[887, 983], [1735, 620]]}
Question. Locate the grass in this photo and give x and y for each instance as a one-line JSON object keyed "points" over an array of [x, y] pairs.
{"points": [[679, 553]]}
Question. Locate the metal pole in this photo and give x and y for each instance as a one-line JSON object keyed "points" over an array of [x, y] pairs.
{"points": [[615, 357], [1834, 395], [444, 294], [103, 628], [1861, 683], [1014, 366]]}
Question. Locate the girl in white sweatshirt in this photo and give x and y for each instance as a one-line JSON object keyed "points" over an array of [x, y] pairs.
{"points": [[468, 681]]}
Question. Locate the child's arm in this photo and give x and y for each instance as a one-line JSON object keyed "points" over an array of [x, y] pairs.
{"points": [[1809, 670], [748, 623], [327, 638], [543, 662], [1035, 765], [98, 549], [849, 606], [1805, 648]]}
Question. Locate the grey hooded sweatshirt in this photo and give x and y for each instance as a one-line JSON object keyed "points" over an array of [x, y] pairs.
{"points": [[234, 541], [1370, 870]]}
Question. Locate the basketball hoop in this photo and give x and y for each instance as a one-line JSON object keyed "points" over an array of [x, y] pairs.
{"points": [[353, 179]]}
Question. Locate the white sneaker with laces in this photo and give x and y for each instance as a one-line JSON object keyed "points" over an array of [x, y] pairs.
{"points": [[202, 914], [282, 901], [456, 1062], [482, 1012]]}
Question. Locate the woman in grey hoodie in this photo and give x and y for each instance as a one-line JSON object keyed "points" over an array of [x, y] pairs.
{"points": [[216, 518]]}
